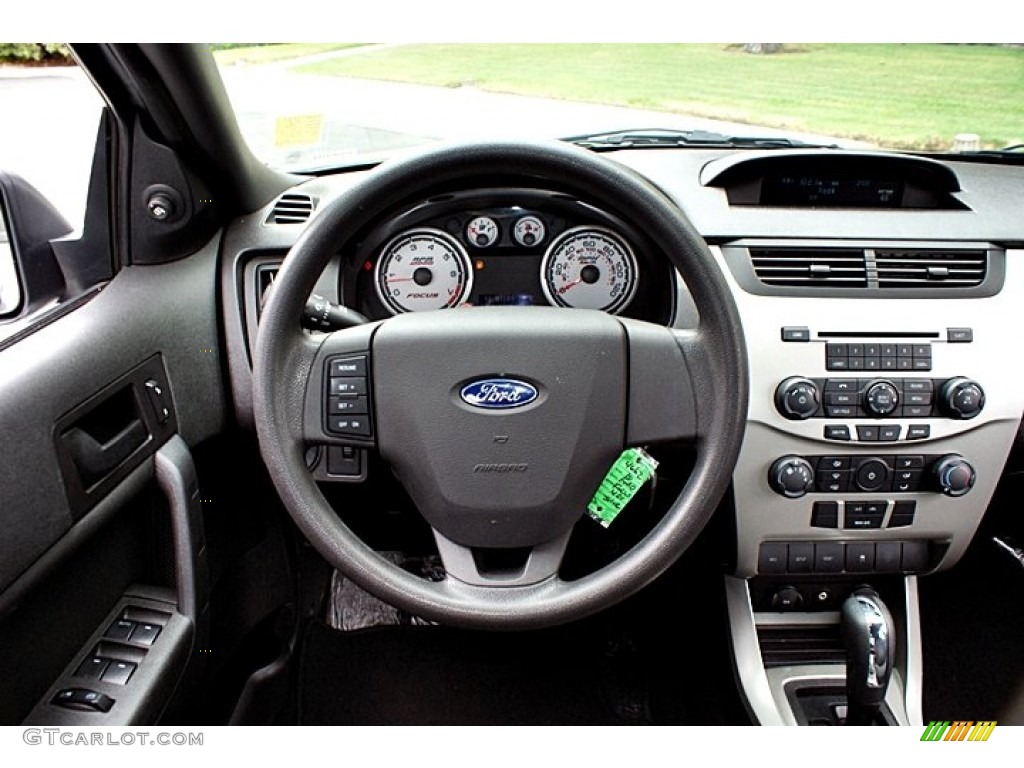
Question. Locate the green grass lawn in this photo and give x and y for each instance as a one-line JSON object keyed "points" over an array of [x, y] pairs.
{"points": [[265, 54], [913, 96]]}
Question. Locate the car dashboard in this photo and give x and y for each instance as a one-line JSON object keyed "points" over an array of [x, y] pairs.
{"points": [[877, 293]]}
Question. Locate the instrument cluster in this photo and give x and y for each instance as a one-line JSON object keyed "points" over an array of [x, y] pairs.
{"points": [[516, 247]]}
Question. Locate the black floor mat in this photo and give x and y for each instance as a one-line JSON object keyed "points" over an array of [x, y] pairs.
{"points": [[439, 676]]}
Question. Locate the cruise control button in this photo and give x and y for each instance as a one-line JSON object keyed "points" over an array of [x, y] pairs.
{"points": [[348, 385], [357, 426], [349, 366], [353, 405]]}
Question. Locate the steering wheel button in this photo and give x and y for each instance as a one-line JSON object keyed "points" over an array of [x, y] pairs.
{"points": [[348, 366], [348, 386], [358, 426], [351, 405]]}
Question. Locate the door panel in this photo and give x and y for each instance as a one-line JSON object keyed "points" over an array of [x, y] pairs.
{"points": [[64, 564]]}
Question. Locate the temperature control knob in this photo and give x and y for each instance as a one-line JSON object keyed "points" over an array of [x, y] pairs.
{"points": [[881, 398], [791, 476], [962, 398], [954, 474], [797, 398]]}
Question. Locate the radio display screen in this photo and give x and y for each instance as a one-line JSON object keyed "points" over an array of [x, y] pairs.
{"points": [[833, 191]]}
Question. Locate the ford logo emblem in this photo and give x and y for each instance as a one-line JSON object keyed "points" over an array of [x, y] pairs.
{"points": [[498, 393]]}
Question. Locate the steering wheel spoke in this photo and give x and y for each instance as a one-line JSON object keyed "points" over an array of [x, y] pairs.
{"points": [[506, 568], [338, 406]]}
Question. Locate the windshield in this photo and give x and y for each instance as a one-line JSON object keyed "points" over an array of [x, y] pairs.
{"points": [[308, 106]]}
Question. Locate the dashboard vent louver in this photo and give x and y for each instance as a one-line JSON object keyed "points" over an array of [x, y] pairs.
{"points": [[292, 209], [808, 267], [931, 269]]}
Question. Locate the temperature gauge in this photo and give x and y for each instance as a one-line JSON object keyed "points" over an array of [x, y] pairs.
{"points": [[528, 231], [482, 232]]}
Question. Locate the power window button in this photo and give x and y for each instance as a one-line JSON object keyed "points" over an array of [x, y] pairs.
{"points": [[92, 668], [119, 630], [118, 672], [145, 634]]}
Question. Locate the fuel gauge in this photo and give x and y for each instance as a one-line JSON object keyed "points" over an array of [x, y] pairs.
{"points": [[482, 232]]}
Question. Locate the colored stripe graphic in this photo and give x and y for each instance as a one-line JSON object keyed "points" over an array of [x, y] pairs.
{"points": [[958, 730], [935, 730], [982, 730]]}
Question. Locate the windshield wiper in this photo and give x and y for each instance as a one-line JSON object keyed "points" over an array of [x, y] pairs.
{"points": [[661, 137]]}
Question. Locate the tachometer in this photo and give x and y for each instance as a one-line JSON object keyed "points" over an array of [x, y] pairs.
{"points": [[423, 269], [589, 268]]}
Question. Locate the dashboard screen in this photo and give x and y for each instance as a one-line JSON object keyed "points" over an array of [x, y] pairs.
{"points": [[832, 191], [507, 300]]}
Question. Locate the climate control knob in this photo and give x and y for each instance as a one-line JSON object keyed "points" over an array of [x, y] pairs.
{"points": [[791, 476], [797, 398], [954, 474], [962, 398], [881, 398]]}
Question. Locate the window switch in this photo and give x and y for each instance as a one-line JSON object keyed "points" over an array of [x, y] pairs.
{"points": [[119, 630], [145, 634], [82, 699], [118, 672], [92, 668]]}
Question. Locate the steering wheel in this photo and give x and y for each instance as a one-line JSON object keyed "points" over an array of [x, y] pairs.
{"points": [[511, 478]]}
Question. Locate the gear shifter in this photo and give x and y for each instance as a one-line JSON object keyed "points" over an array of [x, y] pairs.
{"points": [[867, 630]]}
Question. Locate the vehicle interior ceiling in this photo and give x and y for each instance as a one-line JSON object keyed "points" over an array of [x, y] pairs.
{"points": [[316, 523]]}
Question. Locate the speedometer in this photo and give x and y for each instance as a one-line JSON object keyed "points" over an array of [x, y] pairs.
{"points": [[589, 268], [423, 269]]}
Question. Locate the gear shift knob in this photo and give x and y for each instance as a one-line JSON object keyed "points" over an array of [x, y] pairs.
{"points": [[868, 634]]}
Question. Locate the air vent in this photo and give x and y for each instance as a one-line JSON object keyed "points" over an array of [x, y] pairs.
{"points": [[930, 269], [808, 267], [292, 209], [265, 276]]}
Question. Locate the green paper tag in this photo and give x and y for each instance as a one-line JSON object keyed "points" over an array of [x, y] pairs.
{"points": [[628, 474]]}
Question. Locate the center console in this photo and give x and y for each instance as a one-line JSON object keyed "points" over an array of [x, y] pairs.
{"points": [[878, 426]]}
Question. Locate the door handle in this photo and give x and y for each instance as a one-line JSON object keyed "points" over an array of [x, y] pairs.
{"points": [[94, 459]]}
